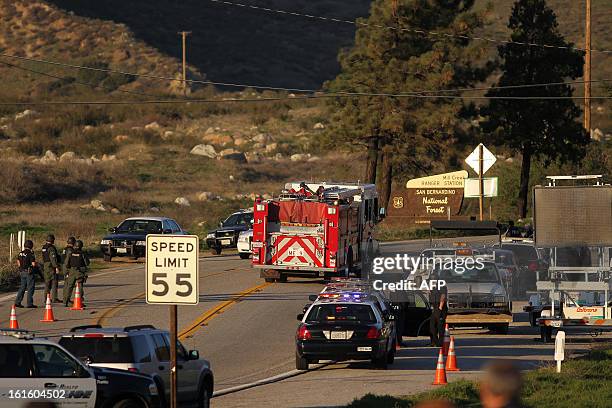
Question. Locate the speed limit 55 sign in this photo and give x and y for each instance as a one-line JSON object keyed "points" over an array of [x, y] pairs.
{"points": [[172, 269]]}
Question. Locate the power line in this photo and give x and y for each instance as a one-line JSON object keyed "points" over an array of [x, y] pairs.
{"points": [[412, 30], [288, 98], [299, 90], [33, 71]]}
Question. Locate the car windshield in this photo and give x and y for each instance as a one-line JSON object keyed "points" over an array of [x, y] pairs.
{"points": [[330, 313], [148, 226], [523, 253], [487, 274], [100, 349], [238, 219]]}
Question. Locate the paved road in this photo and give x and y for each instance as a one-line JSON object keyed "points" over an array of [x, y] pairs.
{"points": [[246, 328]]}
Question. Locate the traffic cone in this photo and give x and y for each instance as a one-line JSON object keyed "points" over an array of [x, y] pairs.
{"points": [[447, 340], [451, 360], [440, 378], [14, 324], [78, 302], [48, 316]]}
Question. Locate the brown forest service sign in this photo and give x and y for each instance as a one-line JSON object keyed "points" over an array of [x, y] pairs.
{"points": [[428, 198]]}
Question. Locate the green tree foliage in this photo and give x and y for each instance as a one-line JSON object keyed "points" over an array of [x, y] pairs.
{"points": [[546, 129], [405, 131]]}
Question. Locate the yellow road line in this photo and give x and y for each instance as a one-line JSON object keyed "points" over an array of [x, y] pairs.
{"points": [[212, 313], [108, 313]]}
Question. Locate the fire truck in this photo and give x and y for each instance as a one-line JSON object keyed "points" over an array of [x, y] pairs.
{"points": [[315, 230]]}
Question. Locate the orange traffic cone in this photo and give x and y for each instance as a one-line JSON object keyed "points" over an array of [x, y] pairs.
{"points": [[446, 343], [451, 360], [48, 316], [440, 378], [14, 324], [78, 302]]}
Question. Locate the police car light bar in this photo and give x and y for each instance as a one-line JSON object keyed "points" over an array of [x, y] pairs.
{"points": [[17, 333]]}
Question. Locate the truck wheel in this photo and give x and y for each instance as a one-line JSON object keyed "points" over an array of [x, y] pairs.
{"points": [[215, 251], [546, 334], [282, 278], [127, 403], [499, 328], [301, 363], [244, 255], [107, 258], [270, 280]]}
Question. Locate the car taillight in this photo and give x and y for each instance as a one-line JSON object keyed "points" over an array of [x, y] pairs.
{"points": [[373, 333], [303, 333], [533, 265], [93, 335], [133, 369]]}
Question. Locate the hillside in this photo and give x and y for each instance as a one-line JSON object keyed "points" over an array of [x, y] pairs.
{"points": [[37, 29], [237, 44]]}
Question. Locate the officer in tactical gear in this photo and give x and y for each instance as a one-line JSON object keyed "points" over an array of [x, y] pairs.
{"points": [[66, 253], [78, 265], [27, 272], [51, 263]]}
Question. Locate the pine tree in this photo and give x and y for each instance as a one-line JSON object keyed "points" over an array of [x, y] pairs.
{"points": [[545, 129], [404, 132]]}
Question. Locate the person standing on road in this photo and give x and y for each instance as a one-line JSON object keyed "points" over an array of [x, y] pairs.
{"points": [[51, 263], [438, 300], [66, 253], [27, 272], [78, 264]]}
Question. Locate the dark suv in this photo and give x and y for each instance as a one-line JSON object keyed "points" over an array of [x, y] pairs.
{"points": [[129, 238], [226, 236]]}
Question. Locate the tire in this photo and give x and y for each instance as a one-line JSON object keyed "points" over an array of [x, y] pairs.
{"points": [[215, 251], [380, 363], [282, 278], [301, 363], [391, 354], [107, 258], [270, 280], [127, 403], [160, 390], [244, 255], [203, 397]]}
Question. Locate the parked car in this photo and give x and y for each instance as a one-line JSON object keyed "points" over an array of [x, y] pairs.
{"points": [[531, 261], [39, 371], [245, 244], [129, 237], [143, 349], [226, 236]]}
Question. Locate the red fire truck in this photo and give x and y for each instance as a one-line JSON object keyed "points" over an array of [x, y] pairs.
{"points": [[315, 230]]}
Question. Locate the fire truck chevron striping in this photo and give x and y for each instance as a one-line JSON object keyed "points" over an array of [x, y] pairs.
{"points": [[314, 229]]}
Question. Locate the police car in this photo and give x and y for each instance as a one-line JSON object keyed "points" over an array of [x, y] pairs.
{"points": [[38, 370], [226, 236], [345, 326]]}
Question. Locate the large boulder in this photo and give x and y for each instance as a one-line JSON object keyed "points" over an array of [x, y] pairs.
{"points": [[67, 156], [49, 157], [261, 138], [234, 155], [206, 196], [204, 150], [300, 157], [271, 147], [154, 126], [182, 201]]}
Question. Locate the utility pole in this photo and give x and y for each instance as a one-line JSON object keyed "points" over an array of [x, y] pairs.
{"points": [[480, 180], [587, 70], [184, 35]]}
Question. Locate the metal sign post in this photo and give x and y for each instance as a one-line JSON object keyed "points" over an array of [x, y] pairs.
{"points": [[481, 160], [172, 279]]}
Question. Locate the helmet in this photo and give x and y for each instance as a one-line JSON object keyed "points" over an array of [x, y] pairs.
{"points": [[28, 244], [50, 238], [71, 240], [79, 244]]}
